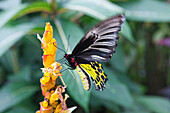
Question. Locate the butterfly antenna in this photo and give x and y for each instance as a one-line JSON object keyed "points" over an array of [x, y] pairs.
{"points": [[59, 48], [68, 42], [67, 69], [60, 60], [64, 61], [70, 71]]}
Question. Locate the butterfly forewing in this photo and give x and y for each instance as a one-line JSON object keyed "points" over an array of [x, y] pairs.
{"points": [[100, 42], [95, 71]]}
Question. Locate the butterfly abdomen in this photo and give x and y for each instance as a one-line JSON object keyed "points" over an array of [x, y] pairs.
{"points": [[84, 77]]}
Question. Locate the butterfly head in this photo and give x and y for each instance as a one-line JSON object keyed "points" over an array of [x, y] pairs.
{"points": [[66, 56], [71, 60]]}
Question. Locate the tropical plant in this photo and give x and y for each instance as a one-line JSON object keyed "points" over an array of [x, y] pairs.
{"points": [[138, 72]]}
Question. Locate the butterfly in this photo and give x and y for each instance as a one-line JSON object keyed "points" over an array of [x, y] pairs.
{"points": [[97, 45]]}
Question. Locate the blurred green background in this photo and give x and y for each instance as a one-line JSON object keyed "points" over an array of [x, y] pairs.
{"points": [[139, 71]]}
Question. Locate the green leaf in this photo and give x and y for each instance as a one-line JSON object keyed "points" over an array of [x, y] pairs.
{"points": [[23, 75], [22, 10], [154, 103], [10, 36], [137, 88], [68, 14], [20, 110], [162, 32], [6, 4], [7, 15], [111, 106], [127, 32], [118, 61], [136, 108], [147, 10], [76, 89], [14, 93], [96, 9], [74, 86], [96, 103], [36, 30], [34, 7], [115, 91]]}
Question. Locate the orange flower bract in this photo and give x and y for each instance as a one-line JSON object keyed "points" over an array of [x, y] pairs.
{"points": [[54, 102]]}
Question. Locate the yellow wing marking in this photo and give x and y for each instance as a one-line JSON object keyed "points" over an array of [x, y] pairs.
{"points": [[84, 78], [94, 69]]}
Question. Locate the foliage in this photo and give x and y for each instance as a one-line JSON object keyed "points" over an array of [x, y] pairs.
{"points": [[138, 68]]}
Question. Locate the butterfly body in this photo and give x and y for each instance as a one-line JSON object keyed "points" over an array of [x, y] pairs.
{"points": [[98, 45], [71, 60]]}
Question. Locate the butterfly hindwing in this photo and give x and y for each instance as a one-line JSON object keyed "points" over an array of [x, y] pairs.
{"points": [[95, 71], [84, 78]]}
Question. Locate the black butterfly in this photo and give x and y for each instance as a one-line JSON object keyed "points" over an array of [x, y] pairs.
{"points": [[98, 45]]}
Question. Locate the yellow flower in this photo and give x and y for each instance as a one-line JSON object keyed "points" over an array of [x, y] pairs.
{"points": [[58, 109], [48, 60], [45, 104], [50, 48], [38, 111], [54, 97], [44, 108], [54, 102], [44, 80], [48, 34], [46, 74]]}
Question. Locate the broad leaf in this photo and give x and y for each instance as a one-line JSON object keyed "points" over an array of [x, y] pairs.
{"points": [[127, 32], [7, 4], [20, 110], [115, 91], [133, 86], [100, 9], [97, 102], [76, 89], [34, 7], [10, 36], [118, 61], [23, 75], [154, 103], [22, 10], [7, 15], [14, 93], [147, 10]]}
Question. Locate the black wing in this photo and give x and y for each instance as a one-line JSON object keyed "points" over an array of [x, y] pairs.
{"points": [[100, 42]]}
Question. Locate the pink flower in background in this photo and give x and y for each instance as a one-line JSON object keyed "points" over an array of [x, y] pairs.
{"points": [[164, 42]]}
